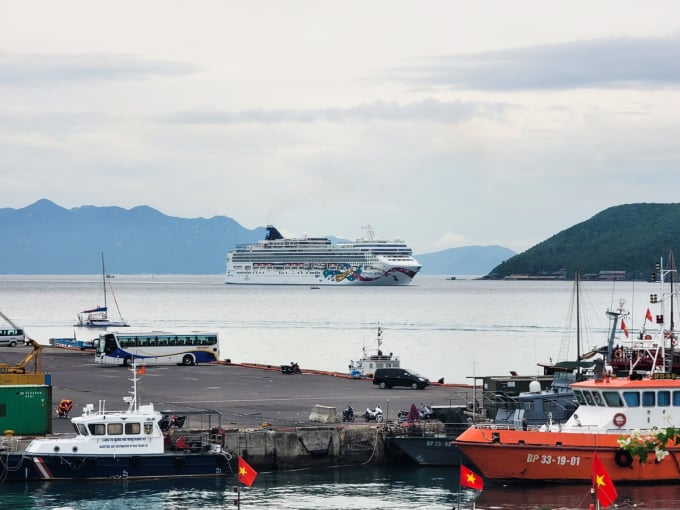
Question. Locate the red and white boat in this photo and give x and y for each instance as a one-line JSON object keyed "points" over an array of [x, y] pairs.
{"points": [[611, 410]]}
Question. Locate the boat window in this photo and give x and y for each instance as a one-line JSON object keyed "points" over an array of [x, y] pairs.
{"points": [[632, 398], [132, 428], [579, 398], [648, 398], [589, 398], [81, 429], [598, 398], [663, 398], [612, 398], [115, 429], [676, 398], [97, 429], [148, 428]]}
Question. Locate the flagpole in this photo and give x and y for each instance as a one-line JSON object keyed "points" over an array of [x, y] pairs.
{"points": [[460, 488]]}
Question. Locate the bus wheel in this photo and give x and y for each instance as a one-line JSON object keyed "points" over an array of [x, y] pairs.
{"points": [[127, 362], [187, 360]]}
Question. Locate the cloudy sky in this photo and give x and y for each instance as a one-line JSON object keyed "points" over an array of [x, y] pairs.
{"points": [[444, 123]]}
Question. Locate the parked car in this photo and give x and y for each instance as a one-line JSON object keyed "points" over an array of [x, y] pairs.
{"points": [[390, 377]]}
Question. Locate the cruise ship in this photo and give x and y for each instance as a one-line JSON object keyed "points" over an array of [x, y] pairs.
{"points": [[317, 261]]}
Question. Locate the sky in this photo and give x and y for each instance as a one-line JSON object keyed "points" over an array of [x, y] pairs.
{"points": [[442, 123]]}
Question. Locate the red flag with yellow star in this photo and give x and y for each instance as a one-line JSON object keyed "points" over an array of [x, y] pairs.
{"points": [[246, 474], [470, 479], [604, 488]]}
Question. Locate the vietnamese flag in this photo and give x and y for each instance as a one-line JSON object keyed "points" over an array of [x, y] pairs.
{"points": [[624, 328], [470, 479], [246, 474], [649, 316], [604, 488]]}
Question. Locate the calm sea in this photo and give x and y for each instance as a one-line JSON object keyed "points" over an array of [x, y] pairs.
{"points": [[454, 329]]}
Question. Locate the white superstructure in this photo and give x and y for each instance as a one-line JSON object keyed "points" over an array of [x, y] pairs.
{"points": [[317, 261]]}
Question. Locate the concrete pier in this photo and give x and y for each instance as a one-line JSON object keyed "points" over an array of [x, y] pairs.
{"points": [[265, 414]]}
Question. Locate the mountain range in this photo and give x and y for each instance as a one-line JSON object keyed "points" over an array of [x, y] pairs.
{"points": [[45, 238]]}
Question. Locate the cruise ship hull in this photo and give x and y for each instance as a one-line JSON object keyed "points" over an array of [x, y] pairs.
{"points": [[345, 276]]}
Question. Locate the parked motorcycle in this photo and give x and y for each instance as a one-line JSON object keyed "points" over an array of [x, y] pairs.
{"points": [[374, 414], [348, 414], [293, 368], [425, 412]]}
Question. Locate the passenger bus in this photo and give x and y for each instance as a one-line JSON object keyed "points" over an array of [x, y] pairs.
{"points": [[11, 337], [156, 348]]}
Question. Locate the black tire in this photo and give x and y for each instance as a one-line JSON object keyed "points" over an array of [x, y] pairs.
{"points": [[187, 360], [623, 458], [379, 418], [414, 386], [127, 361], [382, 385], [13, 343]]}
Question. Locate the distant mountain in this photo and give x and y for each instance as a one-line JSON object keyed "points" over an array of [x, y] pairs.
{"points": [[630, 238], [467, 260], [44, 238]]}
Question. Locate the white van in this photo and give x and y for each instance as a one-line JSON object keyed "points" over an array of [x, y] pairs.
{"points": [[12, 337]]}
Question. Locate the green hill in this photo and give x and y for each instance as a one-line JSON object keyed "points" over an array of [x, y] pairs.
{"points": [[630, 238]]}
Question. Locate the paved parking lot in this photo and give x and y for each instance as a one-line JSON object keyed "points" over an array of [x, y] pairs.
{"points": [[246, 397]]}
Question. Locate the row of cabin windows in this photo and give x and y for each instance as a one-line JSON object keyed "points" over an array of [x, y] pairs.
{"points": [[116, 429], [166, 340], [662, 398]]}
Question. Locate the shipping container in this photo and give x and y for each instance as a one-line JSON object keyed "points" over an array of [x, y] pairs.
{"points": [[26, 409]]}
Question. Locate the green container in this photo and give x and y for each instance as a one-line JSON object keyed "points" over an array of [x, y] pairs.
{"points": [[26, 409]]}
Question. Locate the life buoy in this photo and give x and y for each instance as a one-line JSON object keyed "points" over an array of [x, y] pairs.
{"points": [[618, 354], [619, 419], [648, 337], [623, 458]]}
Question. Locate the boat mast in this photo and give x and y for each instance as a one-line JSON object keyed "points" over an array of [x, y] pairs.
{"points": [[578, 327], [104, 279], [671, 270]]}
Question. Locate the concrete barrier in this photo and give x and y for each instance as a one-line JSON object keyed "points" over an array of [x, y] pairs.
{"points": [[323, 414]]}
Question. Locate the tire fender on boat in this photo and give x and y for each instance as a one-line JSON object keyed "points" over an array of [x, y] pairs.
{"points": [[623, 458], [619, 419], [618, 354]]}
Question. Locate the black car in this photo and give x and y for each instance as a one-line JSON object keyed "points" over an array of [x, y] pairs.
{"points": [[389, 377]]}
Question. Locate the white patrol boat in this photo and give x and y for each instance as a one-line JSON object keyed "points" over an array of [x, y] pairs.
{"points": [[139, 442]]}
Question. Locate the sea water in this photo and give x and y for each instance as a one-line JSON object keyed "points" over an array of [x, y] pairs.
{"points": [[455, 329]]}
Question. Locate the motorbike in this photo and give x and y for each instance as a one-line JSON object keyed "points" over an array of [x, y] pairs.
{"points": [[424, 413], [166, 422], [348, 414], [293, 368], [374, 414]]}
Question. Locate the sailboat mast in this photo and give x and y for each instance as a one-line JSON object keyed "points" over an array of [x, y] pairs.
{"points": [[671, 270], [104, 279], [578, 326]]}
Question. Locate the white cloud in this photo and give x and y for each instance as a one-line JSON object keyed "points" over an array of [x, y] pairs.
{"points": [[489, 123]]}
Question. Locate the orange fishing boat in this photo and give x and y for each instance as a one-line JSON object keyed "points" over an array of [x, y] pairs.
{"points": [[611, 411]]}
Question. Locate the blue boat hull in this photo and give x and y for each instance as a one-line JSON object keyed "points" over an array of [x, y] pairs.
{"points": [[22, 466]]}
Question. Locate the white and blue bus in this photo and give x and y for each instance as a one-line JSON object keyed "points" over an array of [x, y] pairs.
{"points": [[156, 348]]}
